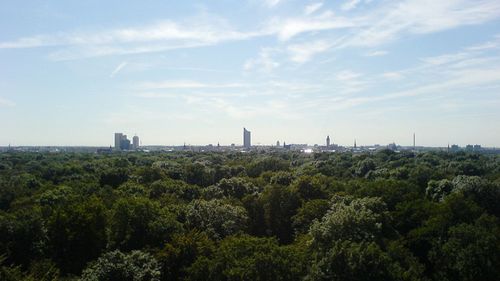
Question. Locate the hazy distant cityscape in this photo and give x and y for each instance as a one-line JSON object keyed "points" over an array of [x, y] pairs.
{"points": [[123, 143]]}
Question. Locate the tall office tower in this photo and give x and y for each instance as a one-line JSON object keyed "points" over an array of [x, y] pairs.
{"points": [[355, 146], [413, 141], [118, 140], [327, 141], [247, 142], [125, 143], [277, 143], [135, 142]]}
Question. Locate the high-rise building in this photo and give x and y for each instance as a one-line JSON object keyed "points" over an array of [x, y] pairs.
{"points": [[278, 143], [135, 142], [327, 141], [125, 143], [247, 142], [121, 142], [118, 140]]}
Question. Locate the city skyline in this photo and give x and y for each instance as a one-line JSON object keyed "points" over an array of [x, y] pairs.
{"points": [[294, 71]]}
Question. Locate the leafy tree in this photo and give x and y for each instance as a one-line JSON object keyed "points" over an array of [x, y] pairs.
{"points": [[178, 188], [23, 236], [114, 177], [472, 251], [279, 205], [437, 190], [236, 187], [282, 178], [216, 218], [364, 167], [255, 168], [139, 222], [199, 173], [249, 258], [347, 260], [77, 234], [178, 255], [483, 192], [308, 189], [118, 266], [352, 219], [310, 211]]}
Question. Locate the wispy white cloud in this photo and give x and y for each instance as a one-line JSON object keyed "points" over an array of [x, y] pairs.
{"points": [[272, 3], [393, 75], [161, 36], [264, 62], [350, 4], [311, 8], [301, 53], [347, 75], [381, 25], [288, 28], [185, 84], [377, 53], [118, 69], [493, 44], [421, 17]]}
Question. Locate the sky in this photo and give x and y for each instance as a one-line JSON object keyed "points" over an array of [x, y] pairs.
{"points": [[197, 72]]}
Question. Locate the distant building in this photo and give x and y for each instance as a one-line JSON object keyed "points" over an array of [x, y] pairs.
{"points": [[125, 143], [118, 140], [392, 146], [135, 142], [287, 146], [121, 142], [277, 143], [327, 141], [247, 141]]}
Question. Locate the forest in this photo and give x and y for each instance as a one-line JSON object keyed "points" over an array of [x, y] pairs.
{"points": [[249, 216]]}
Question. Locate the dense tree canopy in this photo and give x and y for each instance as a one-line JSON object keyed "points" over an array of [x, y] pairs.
{"points": [[271, 215]]}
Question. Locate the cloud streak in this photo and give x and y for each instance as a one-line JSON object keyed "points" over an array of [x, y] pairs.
{"points": [[381, 25], [118, 69]]}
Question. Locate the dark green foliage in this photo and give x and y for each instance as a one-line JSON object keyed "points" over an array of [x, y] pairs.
{"points": [[266, 164], [77, 234], [216, 218], [437, 190], [114, 177], [471, 252], [347, 260], [138, 222], [118, 266], [236, 187], [23, 236], [259, 215], [178, 188], [178, 255], [352, 219], [310, 211], [249, 258], [279, 204]]}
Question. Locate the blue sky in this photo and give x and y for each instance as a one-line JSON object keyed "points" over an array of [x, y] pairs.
{"points": [[75, 72]]}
